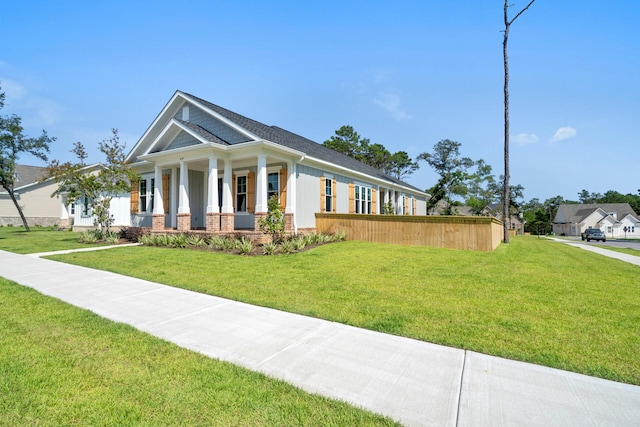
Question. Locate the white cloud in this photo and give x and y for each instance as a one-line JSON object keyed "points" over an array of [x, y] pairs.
{"points": [[391, 103], [527, 138], [564, 133], [34, 109]]}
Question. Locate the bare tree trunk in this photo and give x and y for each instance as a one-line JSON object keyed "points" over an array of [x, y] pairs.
{"points": [[15, 202], [505, 191]]}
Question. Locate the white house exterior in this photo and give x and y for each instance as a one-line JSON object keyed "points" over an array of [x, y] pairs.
{"points": [[40, 208], [207, 168], [615, 220]]}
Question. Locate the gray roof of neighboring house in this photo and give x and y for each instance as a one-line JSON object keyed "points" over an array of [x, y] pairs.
{"points": [[576, 213], [299, 143], [28, 175]]}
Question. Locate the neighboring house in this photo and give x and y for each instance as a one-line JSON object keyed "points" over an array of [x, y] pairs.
{"points": [[611, 218], [515, 223], [205, 167], [39, 208], [33, 196]]}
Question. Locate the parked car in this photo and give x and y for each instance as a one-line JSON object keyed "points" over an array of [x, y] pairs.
{"points": [[593, 234]]}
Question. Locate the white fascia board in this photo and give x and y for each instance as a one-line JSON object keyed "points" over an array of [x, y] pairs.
{"points": [[189, 153], [367, 177], [223, 119], [153, 124], [263, 143]]}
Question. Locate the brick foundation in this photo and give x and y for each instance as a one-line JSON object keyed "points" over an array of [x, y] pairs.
{"points": [[157, 222], [213, 222], [184, 222], [226, 223], [257, 217]]}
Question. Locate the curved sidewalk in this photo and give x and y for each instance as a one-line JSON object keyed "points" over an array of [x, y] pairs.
{"points": [[414, 382], [631, 259]]}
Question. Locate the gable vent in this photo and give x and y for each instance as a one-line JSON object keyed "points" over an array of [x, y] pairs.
{"points": [[185, 113]]}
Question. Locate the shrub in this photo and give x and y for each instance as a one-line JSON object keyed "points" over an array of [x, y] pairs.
{"points": [[244, 245], [88, 237], [196, 240], [132, 234], [274, 222], [287, 247], [113, 238], [269, 248]]}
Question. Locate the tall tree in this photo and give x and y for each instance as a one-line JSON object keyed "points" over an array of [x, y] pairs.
{"points": [[452, 168], [505, 191], [113, 177], [400, 165], [347, 141], [482, 188], [13, 143]]}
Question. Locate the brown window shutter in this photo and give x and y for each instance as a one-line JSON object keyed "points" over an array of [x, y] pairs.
{"points": [[134, 204], [333, 195], [283, 188], [414, 206], [352, 197], [251, 192], [233, 192], [374, 201], [323, 205], [406, 205], [166, 180]]}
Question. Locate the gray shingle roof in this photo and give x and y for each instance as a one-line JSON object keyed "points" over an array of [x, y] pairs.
{"points": [[203, 132], [28, 175], [576, 213], [299, 143]]}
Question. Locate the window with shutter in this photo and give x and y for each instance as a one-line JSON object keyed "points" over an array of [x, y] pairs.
{"points": [[134, 200]]}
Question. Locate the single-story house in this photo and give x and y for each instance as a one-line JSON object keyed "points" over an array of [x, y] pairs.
{"points": [[39, 208], [33, 196], [204, 167], [615, 220]]}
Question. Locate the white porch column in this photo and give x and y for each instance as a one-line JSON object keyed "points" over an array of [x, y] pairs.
{"points": [[261, 184], [183, 197], [212, 185], [291, 188], [172, 196], [227, 195], [158, 202], [64, 213]]}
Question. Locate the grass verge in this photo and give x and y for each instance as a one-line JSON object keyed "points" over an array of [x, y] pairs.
{"points": [[532, 300], [39, 239], [60, 365]]}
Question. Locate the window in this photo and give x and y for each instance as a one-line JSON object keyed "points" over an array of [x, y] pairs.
{"points": [[143, 195], [273, 185], [147, 188], [241, 194], [328, 195], [362, 199], [86, 209], [72, 209], [609, 229]]}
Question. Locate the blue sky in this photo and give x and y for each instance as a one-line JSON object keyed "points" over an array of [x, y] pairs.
{"points": [[404, 74]]}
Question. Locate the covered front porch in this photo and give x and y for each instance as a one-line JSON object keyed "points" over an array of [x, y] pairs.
{"points": [[216, 194]]}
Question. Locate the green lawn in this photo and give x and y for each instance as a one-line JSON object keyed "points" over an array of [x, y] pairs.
{"points": [[533, 300], [39, 239], [60, 365]]}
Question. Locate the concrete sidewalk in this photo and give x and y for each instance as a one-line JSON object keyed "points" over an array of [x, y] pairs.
{"points": [[414, 382], [631, 259]]}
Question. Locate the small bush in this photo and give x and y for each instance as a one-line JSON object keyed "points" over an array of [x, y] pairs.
{"points": [[287, 247], [216, 242], [113, 238], [269, 248], [244, 245], [88, 237], [132, 234], [196, 240]]}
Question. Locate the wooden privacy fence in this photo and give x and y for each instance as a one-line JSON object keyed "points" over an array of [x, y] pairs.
{"points": [[455, 232]]}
